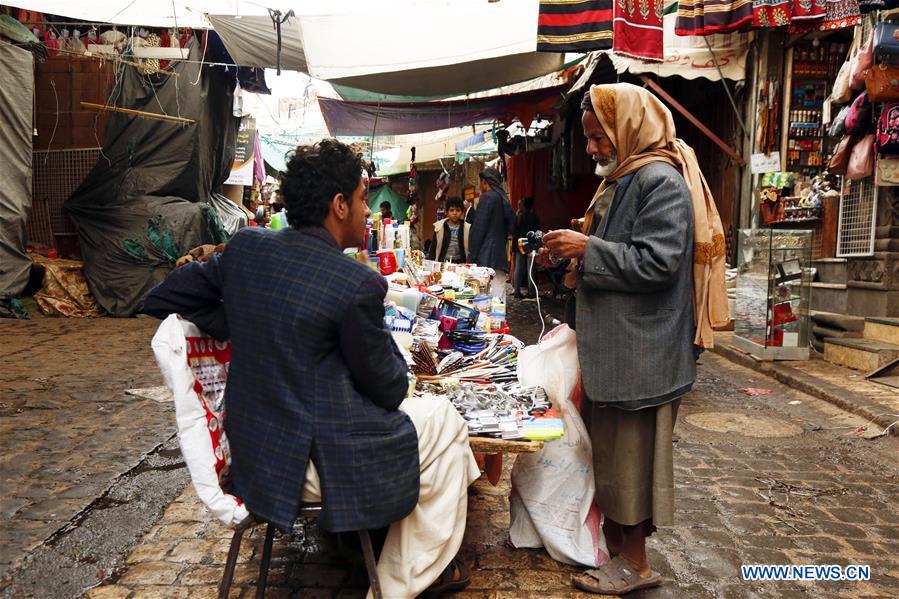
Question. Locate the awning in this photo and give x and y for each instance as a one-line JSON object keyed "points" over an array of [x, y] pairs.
{"points": [[253, 41], [395, 161], [390, 47], [148, 13], [690, 58], [459, 78], [370, 118]]}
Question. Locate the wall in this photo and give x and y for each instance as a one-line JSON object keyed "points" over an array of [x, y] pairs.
{"points": [[61, 122]]}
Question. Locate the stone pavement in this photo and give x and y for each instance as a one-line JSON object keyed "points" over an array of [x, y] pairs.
{"points": [[774, 478], [840, 386], [67, 430]]}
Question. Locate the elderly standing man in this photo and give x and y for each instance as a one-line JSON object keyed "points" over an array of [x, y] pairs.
{"points": [[493, 223], [650, 287]]}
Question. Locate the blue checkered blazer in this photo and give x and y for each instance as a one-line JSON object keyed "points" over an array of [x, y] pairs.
{"points": [[314, 372]]}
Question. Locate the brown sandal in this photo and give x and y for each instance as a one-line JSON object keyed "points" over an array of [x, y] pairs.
{"points": [[447, 581], [615, 578]]}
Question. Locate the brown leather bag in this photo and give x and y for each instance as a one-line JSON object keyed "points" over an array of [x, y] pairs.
{"points": [[882, 83], [839, 162]]}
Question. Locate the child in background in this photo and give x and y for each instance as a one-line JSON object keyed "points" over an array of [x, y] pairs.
{"points": [[451, 235]]}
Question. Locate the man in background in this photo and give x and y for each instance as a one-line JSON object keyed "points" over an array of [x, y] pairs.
{"points": [[526, 220], [490, 231], [386, 210]]}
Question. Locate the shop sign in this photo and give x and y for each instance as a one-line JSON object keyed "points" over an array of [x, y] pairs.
{"points": [[765, 163], [242, 169]]}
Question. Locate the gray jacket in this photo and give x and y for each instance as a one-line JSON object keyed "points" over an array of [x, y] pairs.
{"points": [[635, 294]]}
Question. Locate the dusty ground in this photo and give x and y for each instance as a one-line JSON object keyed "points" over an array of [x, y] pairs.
{"points": [[60, 393]]}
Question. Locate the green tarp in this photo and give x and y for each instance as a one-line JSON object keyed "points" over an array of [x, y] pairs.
{"points": [[398, 204]]}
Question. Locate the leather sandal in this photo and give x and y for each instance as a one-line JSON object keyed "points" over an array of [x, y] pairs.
{"points": [[447, 581], [617, 577]]}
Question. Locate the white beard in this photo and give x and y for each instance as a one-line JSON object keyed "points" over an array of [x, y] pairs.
{"points": [[604, 170]]}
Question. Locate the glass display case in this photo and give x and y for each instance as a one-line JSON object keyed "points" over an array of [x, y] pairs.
{"points": [[773, 289]]}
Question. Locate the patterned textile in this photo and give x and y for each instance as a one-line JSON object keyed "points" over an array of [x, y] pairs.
{"points": [[575, 25], [65, 291], [638, 29], [706, 17], [839, 14]]}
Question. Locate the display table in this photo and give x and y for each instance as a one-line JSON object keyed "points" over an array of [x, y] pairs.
{"points": [[489, 445]]}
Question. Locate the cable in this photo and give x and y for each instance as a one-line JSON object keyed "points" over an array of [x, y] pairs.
{"points": [[55, 123], [537, 293]]}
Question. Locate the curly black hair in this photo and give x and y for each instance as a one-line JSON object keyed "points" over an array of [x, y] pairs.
{"points": [[314, 175], [455, 202]]}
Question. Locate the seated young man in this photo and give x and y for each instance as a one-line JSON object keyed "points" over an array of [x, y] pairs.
{"points": [[451, 234], [315, 399]]}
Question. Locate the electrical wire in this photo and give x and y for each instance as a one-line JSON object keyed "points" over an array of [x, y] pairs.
{"points": [[55, 123], [537, 294]]}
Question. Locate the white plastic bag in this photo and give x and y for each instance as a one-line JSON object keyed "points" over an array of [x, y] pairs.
{"points": [[552, 490], [195, 368]]}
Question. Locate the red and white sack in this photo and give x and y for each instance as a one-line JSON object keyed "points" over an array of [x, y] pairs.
{"points": [[195, 368], [551, 504]]}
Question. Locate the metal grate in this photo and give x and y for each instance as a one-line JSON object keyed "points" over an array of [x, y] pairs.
{"points": [[39, 229], [57, 173], [855, 232]]}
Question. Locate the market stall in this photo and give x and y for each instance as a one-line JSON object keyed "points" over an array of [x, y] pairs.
{"points": [[457, 343]]}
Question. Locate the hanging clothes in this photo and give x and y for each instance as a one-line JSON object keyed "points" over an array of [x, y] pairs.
{"points": [[707, 17], [638, 29], [839, 14], [574, 25]]}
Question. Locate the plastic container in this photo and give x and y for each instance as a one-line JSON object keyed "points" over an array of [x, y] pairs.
{"points": [[387, 262], [410, 298], [482, 303]]}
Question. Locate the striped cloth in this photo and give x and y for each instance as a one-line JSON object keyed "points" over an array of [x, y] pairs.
{"points": [[574, 25], [706, 17]]}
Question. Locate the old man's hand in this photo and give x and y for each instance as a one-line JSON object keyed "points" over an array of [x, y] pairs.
{"points": [[565, 244]]}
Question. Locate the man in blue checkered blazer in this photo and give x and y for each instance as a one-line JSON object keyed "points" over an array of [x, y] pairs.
{"points": [[315, 375]]}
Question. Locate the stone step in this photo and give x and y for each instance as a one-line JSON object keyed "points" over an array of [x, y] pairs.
{"points": [[838, 321], [882, 329], [861, 354], [827, 297], [823, 332], [831, 270]]}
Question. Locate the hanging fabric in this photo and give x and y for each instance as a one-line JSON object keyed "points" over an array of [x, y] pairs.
{"points": [[574, 25], [638, 29], [707, 17]]}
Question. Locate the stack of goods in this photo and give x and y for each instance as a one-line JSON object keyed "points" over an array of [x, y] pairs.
{"points": [[503, 411]]}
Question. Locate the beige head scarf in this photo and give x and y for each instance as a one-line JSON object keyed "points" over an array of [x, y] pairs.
{"points": [[642, 130]]}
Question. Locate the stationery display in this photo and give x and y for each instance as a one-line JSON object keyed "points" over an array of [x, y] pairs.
{"points": [[457, 345]]}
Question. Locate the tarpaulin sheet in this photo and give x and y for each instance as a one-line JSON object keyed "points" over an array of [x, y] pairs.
{"points": [[16, 102], [371, 118], [149, 203], [253, 41]]}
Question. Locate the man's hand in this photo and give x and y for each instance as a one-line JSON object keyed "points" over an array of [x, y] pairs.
{"points": [[565, 244]]}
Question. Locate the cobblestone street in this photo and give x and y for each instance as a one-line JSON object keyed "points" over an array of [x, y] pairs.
{"points": [[775, 478]]}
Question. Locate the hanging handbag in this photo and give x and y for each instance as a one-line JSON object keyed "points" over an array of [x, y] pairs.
{"points": [[864, 60], [882, 83], [861, 161], [838, 126], [842, 93], [888, 130], [839, 162], [886, 40], [858, 119], [886, 172]]}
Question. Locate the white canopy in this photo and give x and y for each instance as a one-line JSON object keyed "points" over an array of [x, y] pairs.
{"points": [[425, 47]]}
